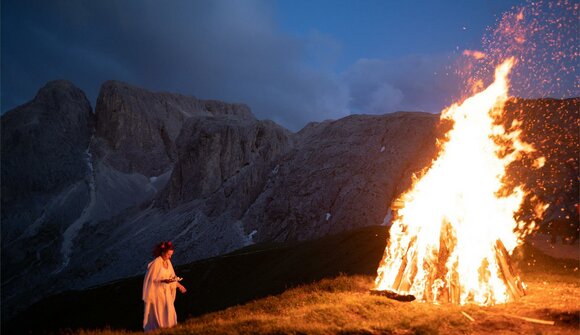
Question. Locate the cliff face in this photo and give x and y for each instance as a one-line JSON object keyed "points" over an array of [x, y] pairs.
{"points": [[140, 127], [44, 142], [44, 153], [44, 181], [224, 157], [342, 175]]}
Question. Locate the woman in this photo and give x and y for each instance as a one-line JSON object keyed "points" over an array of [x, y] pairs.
{"points": [[159, 289]]}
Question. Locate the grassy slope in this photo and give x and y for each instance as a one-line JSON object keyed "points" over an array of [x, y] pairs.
{"points": [[338, 303], [342, 305], [213, 284]]}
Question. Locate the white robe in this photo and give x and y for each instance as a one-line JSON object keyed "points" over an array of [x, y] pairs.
{"points": [[158, 296]]}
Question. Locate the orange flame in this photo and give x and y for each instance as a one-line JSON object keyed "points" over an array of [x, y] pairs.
{"points": [[443, 241]]}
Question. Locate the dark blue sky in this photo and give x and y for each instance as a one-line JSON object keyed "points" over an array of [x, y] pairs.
{"points": [[291, 61], [392, 29]]}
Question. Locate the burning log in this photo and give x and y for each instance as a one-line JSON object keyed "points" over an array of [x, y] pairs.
{"points": [[454, 288], [393, 295], [513, 282], [449, 289], [404, 268]]}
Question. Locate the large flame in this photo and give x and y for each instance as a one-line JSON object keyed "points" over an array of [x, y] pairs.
{"points": [[449, 227]]}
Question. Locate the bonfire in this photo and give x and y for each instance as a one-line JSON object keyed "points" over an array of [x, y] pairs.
{"points": [[454, 230]]}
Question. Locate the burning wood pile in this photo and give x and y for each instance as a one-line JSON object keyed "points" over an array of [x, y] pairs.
{"points": [[407, 272], [454, 231]]}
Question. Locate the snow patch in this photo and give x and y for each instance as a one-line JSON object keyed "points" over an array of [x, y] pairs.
{"points": [[327, 216], [89, 161], [387, 221], [246, 239], [72, 231], [251, 235], [158, 182], [383, 148]]}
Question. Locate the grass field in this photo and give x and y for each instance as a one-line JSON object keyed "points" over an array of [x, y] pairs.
{"points": [[341, 303]]}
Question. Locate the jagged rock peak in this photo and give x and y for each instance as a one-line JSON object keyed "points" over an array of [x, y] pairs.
{"points": [[62, 87], [140, 127], [51, 97], [214, 150], [44, 141], [190, 105]]}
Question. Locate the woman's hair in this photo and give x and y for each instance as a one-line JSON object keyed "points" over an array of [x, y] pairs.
{"points": [[162, 248]]}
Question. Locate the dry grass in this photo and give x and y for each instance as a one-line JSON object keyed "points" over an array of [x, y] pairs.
{"points": [[342, 305], [331, 306]]}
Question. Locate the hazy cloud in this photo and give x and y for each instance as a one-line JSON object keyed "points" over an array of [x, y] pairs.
{"points": [[414, 83], [227, 50]]}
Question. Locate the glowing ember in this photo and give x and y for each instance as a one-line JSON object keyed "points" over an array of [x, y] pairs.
{"points": [[454, 229]]}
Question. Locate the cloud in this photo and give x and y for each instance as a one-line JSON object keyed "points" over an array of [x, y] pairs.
{"points": [[384, 99], [411, 83], [227, 50]]}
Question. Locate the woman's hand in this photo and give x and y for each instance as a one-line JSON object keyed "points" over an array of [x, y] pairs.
{"points": [[181, 288]]}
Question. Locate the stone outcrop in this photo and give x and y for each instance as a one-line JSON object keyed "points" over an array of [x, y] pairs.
{"points": [[342, 175], [45, 170], [140, 127], [44, 142], [44, 152], [228, 156]]}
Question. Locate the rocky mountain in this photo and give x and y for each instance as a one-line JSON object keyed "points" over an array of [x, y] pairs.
{"points": [[140, 127], [44, 169], [85, 196], [44, 150], [341, 175]]}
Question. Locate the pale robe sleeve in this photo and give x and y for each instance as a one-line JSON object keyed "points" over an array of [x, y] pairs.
{"points": [[152, 279]]}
